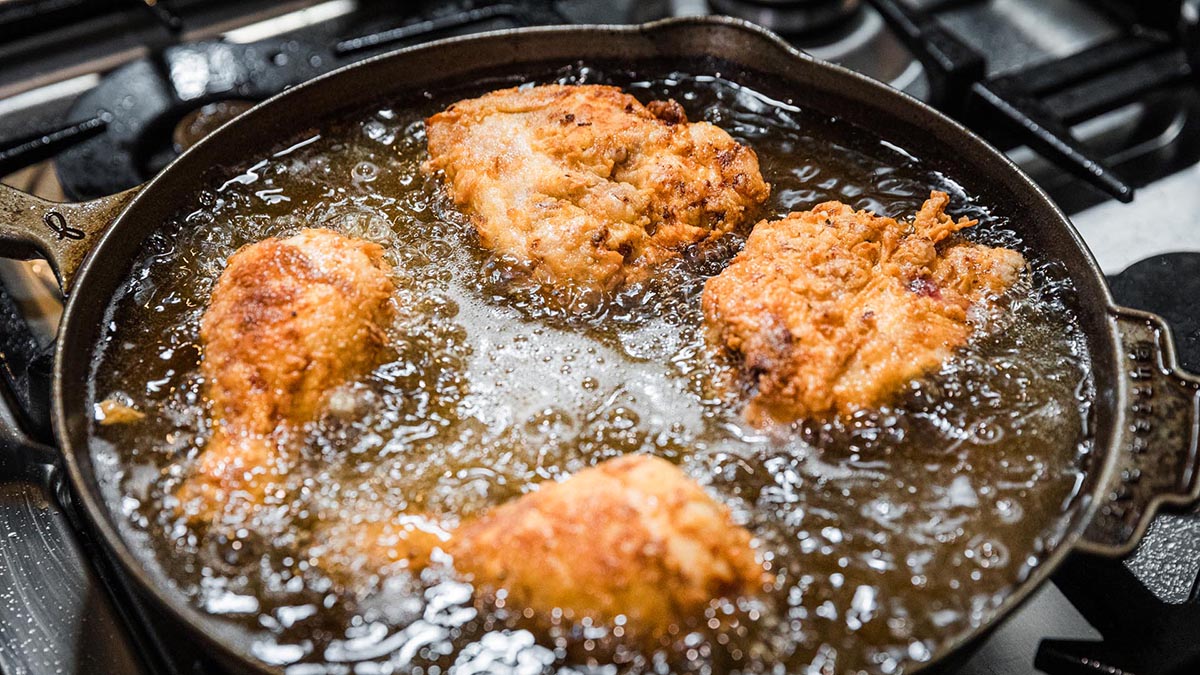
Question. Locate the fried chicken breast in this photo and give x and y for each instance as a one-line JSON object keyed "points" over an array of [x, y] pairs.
{"points": [[631, 536], [832, 310], [289, 320], [586, 186]]}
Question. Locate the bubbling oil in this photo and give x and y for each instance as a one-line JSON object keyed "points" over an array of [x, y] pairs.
{"points": [[889, 533]]}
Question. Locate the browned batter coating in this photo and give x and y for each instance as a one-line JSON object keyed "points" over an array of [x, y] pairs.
{"points": [[588, 187], [832, 310], [631, 536], [289, 320]]}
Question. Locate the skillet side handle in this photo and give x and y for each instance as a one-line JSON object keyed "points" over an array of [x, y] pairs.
{"points": [[1158, 460], [63, 234]]}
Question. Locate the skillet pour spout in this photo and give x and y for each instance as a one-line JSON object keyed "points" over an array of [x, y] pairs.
{"points": [[1146, 414]]}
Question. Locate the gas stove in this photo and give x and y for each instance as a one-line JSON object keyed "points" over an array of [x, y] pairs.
{"points": [[1098, 100]]}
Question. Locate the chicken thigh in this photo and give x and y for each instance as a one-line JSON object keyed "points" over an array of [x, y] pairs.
{"points": [[832, 310], [632, 537]]}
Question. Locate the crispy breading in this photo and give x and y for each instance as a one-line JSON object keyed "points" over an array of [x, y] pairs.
{"points": [[832, 310], [289, 320], [588, 187], [632, 537]]}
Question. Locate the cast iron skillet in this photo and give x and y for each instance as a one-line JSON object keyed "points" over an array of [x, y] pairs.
{"points": [[1146, 410]]}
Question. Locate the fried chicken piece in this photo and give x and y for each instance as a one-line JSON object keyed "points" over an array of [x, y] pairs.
{"points": [[289, 320], [588, 187], [631, 536], [114, 411], [832, 311]]}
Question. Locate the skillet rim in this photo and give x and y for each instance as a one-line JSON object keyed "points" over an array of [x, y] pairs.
{"points": [[1086, 503]]}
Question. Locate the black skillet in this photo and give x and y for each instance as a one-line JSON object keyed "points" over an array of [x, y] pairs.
{"points": [[1146, 410]]}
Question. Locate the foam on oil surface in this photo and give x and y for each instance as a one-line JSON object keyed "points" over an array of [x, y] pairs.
{"points": [[889, 533]]}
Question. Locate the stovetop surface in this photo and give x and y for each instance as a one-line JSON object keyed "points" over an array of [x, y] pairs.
{"points": [[62, 610]]}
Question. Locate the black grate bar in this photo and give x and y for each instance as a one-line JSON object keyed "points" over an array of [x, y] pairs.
{"points": [[939, 6], [959, 87], [22, 152], [1069, 70], [1033, 125], [1119, 87], [164, 15], [422, 28]]}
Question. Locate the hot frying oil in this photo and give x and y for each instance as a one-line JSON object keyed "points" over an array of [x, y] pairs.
{"points": [[889, 533]]}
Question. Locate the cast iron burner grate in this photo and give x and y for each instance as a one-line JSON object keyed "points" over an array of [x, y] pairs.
{"points": [[1037, 106], [126, 129], [1142, 635], [122, 129]]}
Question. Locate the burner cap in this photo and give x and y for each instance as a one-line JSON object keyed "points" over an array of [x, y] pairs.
{"points": [[790, 17], [1168, 285], [151, 100]]}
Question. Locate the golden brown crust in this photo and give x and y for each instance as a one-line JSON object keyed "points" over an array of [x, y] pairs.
{"points": [[832, 310], [112, 411], [631, 536], [587, 186], [288, 321]]}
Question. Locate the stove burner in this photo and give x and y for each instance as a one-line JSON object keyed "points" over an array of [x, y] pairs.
{"points": [[1142, 634], [146, 100], [790, 17], [1168, 285]]}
